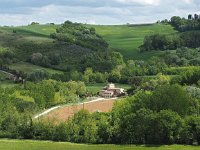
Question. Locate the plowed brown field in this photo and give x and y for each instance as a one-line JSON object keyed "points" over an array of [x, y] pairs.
{"points": [[64, 113]]}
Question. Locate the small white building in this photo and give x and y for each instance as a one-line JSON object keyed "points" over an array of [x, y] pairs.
{"points": [[111, 91], [106, 94]]}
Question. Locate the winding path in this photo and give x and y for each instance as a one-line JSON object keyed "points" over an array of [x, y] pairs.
{"points": [[46, 112]]}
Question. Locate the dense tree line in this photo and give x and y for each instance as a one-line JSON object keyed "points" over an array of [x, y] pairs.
{"points": [[161, 42], [183, 57], [167, 115], [189, 35], [182, 24], [189, 39], [44, 94]]}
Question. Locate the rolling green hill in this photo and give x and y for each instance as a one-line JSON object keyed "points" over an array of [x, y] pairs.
{"points": [[126, 39], [123, 38], [61, 50]]}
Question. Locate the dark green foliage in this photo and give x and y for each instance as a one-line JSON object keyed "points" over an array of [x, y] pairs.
{"points": [[192, 133], [182, 24], [34, 23], [191, 38], [190, 77], [161, 42], [83, 128], [38, 76], [78, 34], [142, 69], [165, 128], [39, 59], [171, 42], [6, 56], [146, 127], [155, 117], [170, 97]]}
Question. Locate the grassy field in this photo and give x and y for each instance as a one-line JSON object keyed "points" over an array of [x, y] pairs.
{"points": [[7, 84], [127, 39], [4, 82], [94, 88], [3, 75], [38, 145], [33, 30], [38, 30], [28, 68]]}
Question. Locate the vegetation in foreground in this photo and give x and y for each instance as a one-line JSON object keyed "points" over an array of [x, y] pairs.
{"points": [[38, 145]]}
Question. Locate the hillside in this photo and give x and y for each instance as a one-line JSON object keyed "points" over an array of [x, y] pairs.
{"points": [[36, 44], [123, 38], [127, 38]]}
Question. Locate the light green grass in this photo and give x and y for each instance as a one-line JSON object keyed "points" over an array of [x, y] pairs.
{"points": [[33, 30], [179, 70], [7, 84], [127, 39], [28, 68], [38, 30], [94, 88], [4, 83], [3, 75], [44, 145]]}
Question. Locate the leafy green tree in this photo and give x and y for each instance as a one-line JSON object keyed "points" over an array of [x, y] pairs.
{"points": [[172, 97], [135, 126], [83, 128], [192, 133], [114, 76], [165, 128]]}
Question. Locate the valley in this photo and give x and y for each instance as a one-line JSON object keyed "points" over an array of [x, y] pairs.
{"points": [[133, 85]]}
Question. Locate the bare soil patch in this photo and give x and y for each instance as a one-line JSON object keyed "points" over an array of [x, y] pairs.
{"points": [[64, 113]]}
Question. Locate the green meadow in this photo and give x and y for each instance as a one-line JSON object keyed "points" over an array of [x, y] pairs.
{"points": [[45, 145], [28, 68], [127, 38]]}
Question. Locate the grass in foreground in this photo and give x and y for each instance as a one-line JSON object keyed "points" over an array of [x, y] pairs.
{"points": [[44, 145]]}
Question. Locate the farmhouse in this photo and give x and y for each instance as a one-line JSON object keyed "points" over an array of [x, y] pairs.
{"points": [[111, 91]]}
